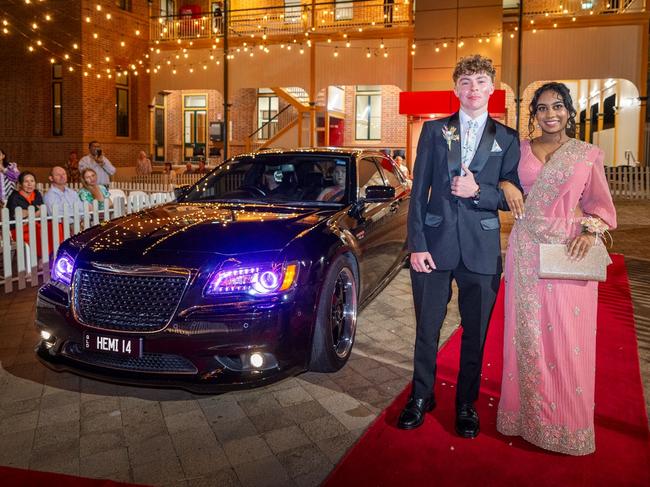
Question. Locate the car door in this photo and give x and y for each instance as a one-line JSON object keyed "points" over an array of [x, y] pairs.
{"points": [[370, 224]]}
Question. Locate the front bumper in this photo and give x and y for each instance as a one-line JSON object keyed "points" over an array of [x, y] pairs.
{"points": [[203, 349]]}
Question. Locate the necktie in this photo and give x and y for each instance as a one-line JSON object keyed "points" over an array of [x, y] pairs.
{"points": [[469, 144]]}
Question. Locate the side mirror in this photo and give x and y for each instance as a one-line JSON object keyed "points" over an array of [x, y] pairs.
{"points": [[181, 191], [376, 194]]}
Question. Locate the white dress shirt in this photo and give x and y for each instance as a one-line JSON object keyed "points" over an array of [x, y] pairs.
{"points": [[103, 171], [66, 198]]}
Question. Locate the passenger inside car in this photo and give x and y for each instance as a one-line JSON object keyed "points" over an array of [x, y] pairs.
{"points": [[335, 192]]}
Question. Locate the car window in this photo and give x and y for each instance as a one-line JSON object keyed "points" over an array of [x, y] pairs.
{"points": [[276, 177], [390, 172], [369, 175]]}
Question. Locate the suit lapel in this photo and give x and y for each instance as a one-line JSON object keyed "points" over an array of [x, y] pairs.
{"points": [[453, 154], [484, 147]]}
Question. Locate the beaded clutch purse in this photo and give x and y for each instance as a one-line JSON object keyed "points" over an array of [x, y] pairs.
{"points": [[555, 263]]}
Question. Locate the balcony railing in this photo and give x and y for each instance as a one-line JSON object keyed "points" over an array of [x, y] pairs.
{"points": [[555, 8], [286, 20]]}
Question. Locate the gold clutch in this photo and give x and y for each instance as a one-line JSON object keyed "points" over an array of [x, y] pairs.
{"points": [[554, 263]]}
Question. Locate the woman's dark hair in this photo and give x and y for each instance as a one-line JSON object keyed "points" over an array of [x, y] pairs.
{"points": [[24, 174], [5, 161], [563, 92]]}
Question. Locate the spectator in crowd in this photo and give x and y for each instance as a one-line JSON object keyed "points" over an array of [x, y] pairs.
{"points": [[143, 164], [72, 166], [8, 177], [169, 172], [92, 190], [25, 195], [99, 163], [188, 168], [202, 169], [59, 193]]}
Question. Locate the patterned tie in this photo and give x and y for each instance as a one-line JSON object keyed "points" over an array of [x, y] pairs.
{"points": [[469, 144]]}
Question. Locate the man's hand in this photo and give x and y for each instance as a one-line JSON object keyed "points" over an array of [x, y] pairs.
{"points": [[514, 198], [422, 262], [464, 186]]}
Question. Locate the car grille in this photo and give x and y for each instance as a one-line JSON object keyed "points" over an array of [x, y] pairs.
{"points": [[125, 302], [160, 363]]}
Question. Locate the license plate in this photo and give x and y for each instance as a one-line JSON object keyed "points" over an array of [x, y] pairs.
{"points": [[131, 347]]}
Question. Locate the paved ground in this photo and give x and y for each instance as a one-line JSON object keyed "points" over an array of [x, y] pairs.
{"points": [[291, 433]]}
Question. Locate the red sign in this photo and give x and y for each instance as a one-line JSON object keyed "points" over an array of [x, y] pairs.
{"points": [[442, 103]]}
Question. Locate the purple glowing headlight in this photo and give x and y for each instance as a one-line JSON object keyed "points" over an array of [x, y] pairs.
{"points": [[63, 268], [255, 280]]}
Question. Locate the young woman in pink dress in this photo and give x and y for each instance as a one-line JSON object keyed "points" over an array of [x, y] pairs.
{"points": [[547, 391]]}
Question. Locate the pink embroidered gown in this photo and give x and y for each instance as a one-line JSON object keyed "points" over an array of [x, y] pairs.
{"points": [[547, 391]]}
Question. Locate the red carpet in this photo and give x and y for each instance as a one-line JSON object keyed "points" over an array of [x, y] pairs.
{"points": [[433, 455]]}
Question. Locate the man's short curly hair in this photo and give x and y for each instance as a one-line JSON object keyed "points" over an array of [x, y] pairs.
{"points": [[474, 64]]}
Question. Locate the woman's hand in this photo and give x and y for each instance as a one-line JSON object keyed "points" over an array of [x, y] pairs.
{"points": [[514, 198], [580, 245]]}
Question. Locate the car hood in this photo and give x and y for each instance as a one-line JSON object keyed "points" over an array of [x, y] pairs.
{"points": [[220, 228]]}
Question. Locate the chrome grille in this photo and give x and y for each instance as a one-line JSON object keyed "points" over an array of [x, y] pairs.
{"points": [[160, 363], [126, 302]]}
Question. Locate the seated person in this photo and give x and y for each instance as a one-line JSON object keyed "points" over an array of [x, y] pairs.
{"points": [[92, 191], [337, 192], [276, 182], [26, 195]]}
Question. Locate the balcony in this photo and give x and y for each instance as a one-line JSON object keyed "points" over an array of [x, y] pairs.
{"points": [[575, 8], [285, 21]]}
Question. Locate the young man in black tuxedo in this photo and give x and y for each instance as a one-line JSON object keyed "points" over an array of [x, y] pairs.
{"points": [[453, 233]]}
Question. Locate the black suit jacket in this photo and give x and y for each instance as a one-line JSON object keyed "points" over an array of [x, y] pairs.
{"points": [[449, 227]]}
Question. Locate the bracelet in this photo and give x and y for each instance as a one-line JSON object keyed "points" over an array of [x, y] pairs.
{"points": [[594, 225]]}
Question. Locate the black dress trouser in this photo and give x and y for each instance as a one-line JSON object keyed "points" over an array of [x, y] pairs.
{"points": [[431, 294]]}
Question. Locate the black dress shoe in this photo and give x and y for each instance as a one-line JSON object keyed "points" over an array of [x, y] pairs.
{"points": [[413, 414], [467, 424]]}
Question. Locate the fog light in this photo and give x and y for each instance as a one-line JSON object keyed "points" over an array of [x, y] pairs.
{"points": [[257, 360], [45, 335]]}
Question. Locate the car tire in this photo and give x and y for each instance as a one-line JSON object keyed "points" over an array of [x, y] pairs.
{"points": [[336, 317]]}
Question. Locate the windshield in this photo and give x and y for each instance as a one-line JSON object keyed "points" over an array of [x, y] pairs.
{"points": [[303, 178]]}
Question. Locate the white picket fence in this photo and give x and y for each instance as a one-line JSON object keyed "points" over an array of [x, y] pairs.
{"points": [[628, 182], [30, 242]]}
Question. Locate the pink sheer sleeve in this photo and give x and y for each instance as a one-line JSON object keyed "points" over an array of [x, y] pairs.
{"points": [[596, 199]]}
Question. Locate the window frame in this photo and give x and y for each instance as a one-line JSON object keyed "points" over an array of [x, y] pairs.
{"points": [[122, 88], [57, 111], [369, 92]]}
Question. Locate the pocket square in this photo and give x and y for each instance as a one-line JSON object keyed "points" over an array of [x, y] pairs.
{"points": [[496, 147]]}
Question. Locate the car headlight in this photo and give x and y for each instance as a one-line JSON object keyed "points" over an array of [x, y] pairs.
{"points": [[257, 280], [63, 268]]}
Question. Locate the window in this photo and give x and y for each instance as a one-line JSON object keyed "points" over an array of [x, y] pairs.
{"points": [[57, 100], [195, 133], [369, 175], [343, 10], [594, 121], [368, 113], [609, 112], [583, 123], [122, 104], [292, 11], [390, 173], [124, 4], [167, 7], [159, 128], [267, 109]]}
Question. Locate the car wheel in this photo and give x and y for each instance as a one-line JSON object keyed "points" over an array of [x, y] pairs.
{"points": [[336, 318]]}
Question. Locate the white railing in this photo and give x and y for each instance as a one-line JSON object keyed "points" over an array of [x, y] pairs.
{"points": [[30, 242], [322, 17], [582, 7], [628, 182]]}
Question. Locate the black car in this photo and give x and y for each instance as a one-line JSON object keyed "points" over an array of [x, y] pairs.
{"points": [[255, 273]]}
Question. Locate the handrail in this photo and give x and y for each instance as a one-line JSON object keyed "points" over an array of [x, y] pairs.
{"points": [[269, 121]]}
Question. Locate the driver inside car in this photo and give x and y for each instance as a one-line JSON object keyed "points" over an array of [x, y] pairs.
{"points": [[276, 182]]}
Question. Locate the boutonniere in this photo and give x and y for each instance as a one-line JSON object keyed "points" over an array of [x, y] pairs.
{"points": [[450, 135]]}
